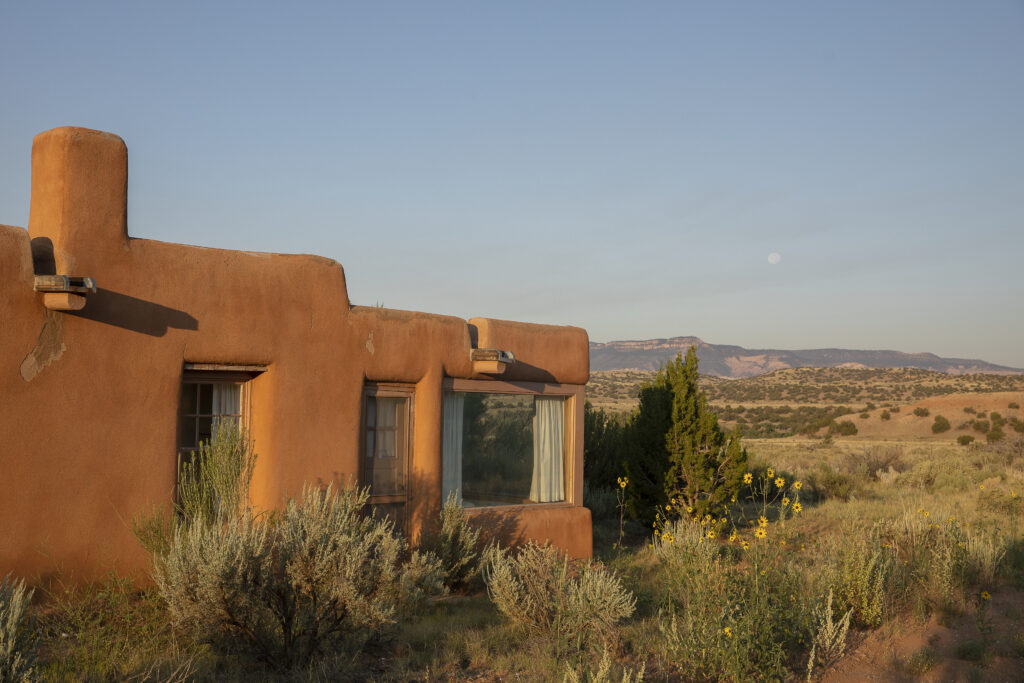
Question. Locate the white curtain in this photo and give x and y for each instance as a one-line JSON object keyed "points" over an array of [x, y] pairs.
{"points": [[227, 404], [387, 427], [227, 399], [548, 436], [451, 442]]}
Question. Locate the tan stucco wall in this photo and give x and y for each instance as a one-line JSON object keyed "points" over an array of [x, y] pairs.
{"points": [[88, 399]]}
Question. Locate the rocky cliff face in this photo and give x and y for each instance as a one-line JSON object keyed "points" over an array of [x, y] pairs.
{"points": [[735, 361]]}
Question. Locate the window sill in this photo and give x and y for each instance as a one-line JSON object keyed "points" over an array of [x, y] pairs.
{"points": [[517, 507]]}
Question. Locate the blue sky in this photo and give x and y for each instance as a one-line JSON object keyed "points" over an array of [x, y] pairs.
{"points": [[625, 167]]}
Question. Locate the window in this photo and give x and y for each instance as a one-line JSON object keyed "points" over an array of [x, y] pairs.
{"points": [[206, 397], [504, 448], [387, 439]]}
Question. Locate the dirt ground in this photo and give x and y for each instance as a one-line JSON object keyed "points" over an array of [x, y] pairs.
{"points": [[888, 654]]}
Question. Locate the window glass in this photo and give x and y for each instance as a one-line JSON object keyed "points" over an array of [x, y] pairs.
{"points": [[387, 444], [200, 404], [502, 449]]}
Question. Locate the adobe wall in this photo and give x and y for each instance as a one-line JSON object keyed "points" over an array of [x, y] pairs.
{"points": [[88, 399]]}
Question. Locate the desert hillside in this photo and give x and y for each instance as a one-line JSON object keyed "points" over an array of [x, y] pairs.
{"points": [[880, 404], [724, 360]]}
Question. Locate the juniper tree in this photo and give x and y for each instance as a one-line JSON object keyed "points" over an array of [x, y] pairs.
{"points": [[644, 454], [705, 467]]}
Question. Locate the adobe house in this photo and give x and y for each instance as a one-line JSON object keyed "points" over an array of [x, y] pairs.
{"points": [[117, 354]]}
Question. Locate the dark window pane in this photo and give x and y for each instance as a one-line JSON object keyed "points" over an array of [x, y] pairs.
{"points": [[393, 511], [370, 442], [371, 412], [189, 401], [206, 399], [187, 432], [205, 428]]}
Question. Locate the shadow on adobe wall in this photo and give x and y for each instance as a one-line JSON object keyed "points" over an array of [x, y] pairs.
{"points": [[502, 527], [131, 313], [535, 373], [114, 308]]}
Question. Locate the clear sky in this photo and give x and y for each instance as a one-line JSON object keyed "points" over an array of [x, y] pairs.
{"points": [[625, 167]]}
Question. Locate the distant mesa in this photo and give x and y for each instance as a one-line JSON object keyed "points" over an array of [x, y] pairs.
{"points": [[722, 360]]}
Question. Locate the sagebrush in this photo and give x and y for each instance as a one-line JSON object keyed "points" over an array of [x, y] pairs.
{"points": [[17, 636], [574, 605], [320, 575], [456, 544]]}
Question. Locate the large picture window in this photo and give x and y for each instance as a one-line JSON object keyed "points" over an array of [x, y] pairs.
{"points": [[504, 448]]}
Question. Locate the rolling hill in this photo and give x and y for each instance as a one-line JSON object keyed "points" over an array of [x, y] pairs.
{"points": [[723, 360]]}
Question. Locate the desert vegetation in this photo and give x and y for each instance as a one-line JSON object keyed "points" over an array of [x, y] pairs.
{"points": [[716, 558], [811, 401]]}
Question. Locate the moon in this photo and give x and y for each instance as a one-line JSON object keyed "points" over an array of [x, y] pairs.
{"points": [[774, 258]]}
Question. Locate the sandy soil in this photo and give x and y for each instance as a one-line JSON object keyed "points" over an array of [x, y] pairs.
{"points": [[881, 655], [905, 425]]}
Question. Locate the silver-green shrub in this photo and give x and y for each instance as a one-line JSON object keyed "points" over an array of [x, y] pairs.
{"points": [[213, 485], [538, 589], [830, 637], [316, 576], [684, 548], [456, 544], [603, 673], [727, 619], [861, 574], [17, 636]]}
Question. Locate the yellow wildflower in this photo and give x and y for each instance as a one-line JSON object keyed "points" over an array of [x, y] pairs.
{"points": [[667, 537], [668, 507], [785, 501], [926, 513], [780, 482], [747, 478], [760, 533], [711, 534], [771, 473], [762, 521], [797, 508], [982, 487], [727, 631], [732, 537], [623, 481], [782, 542], [689, 510], [746, 545], [985, 595], [797, 485]]}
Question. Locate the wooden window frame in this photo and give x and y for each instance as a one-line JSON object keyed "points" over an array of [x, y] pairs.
{"points": [[388, 390]]}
